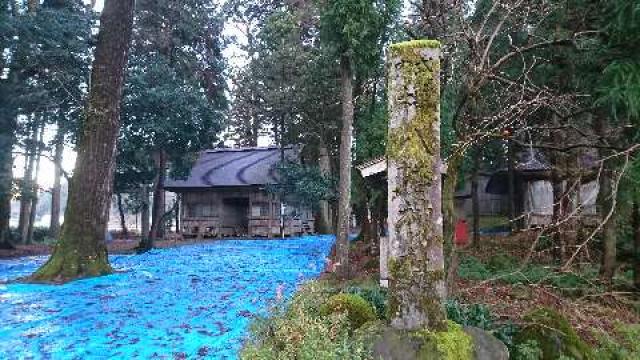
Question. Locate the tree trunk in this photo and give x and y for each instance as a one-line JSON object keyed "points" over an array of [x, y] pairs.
{"points": [[511, 185], [56, 190], [6, 179], [123, 221], [609, 235], [7, 140], [281, 143], [558, 215], [34, 190], [361, 213], [144, 213], [178, 209], [605, 205], [344, 188], [8, 127], [80, 250], [325, 225], [375, 234], [449, 218], [636, 244], [416, 261], [475, 197], [26, 190], [157, 209]]}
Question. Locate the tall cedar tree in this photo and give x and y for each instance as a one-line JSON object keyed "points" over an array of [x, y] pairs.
{"points": [[173, 100], [354, 29], [45, 58], [80, 250], [290, 76], [7, 132]]}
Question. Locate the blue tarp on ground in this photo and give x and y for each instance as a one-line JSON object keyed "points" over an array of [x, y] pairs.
{"points": [[190, 302]]}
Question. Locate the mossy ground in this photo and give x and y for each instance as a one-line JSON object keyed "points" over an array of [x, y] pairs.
{"points": [[604, 322]]}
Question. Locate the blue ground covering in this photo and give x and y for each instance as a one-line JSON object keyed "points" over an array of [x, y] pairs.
{"points": [[191, 302]]}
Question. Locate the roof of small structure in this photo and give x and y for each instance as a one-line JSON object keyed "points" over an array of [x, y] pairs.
{"points": [[234, 167], [533, 166], [373, 166]]}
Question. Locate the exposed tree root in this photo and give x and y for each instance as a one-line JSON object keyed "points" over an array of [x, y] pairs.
{"points": [[66, 265]]}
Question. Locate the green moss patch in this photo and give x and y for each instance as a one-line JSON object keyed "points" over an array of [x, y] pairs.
{"points": [[453, 344], [415, 44], [357, 309], [450, 344], [554, 335]]}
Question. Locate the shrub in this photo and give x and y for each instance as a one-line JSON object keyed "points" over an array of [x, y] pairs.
{"points": [[502, 262], [357, 309], [472, 268], [40, 235], [304, 337], [544, 243], [625, 347], [300, 332], [375, 295], [554, 335], [480, 316], [477, 315], [528, 350]]}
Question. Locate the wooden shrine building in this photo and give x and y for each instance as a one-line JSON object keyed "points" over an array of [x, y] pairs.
{"points": [[226, 195]]}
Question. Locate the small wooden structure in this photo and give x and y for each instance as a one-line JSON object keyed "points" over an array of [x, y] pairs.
{"points": [[226, 195]]}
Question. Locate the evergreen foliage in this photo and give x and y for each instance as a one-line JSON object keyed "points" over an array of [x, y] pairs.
{"points": [[302, 184]]}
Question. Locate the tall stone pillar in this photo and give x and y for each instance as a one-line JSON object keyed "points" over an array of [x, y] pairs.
{"points": [[415, 259]]}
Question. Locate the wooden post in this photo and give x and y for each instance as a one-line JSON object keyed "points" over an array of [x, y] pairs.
{"points": [[415, 259]]}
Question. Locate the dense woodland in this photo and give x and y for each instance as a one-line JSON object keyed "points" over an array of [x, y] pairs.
{"points": [[138, 90]]}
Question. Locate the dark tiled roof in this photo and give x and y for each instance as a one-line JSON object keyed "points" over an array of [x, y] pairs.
{"points": [[234, 167]]}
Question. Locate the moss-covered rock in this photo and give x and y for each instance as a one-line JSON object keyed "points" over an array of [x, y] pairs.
{"points": [[358, 310], [554, 335], [453, 344]]}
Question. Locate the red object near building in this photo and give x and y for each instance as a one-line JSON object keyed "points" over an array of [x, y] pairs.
{"points": [[461, 233]]}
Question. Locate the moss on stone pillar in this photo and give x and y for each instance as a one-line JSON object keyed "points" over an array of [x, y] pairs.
{"points": [[416, 262]]}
